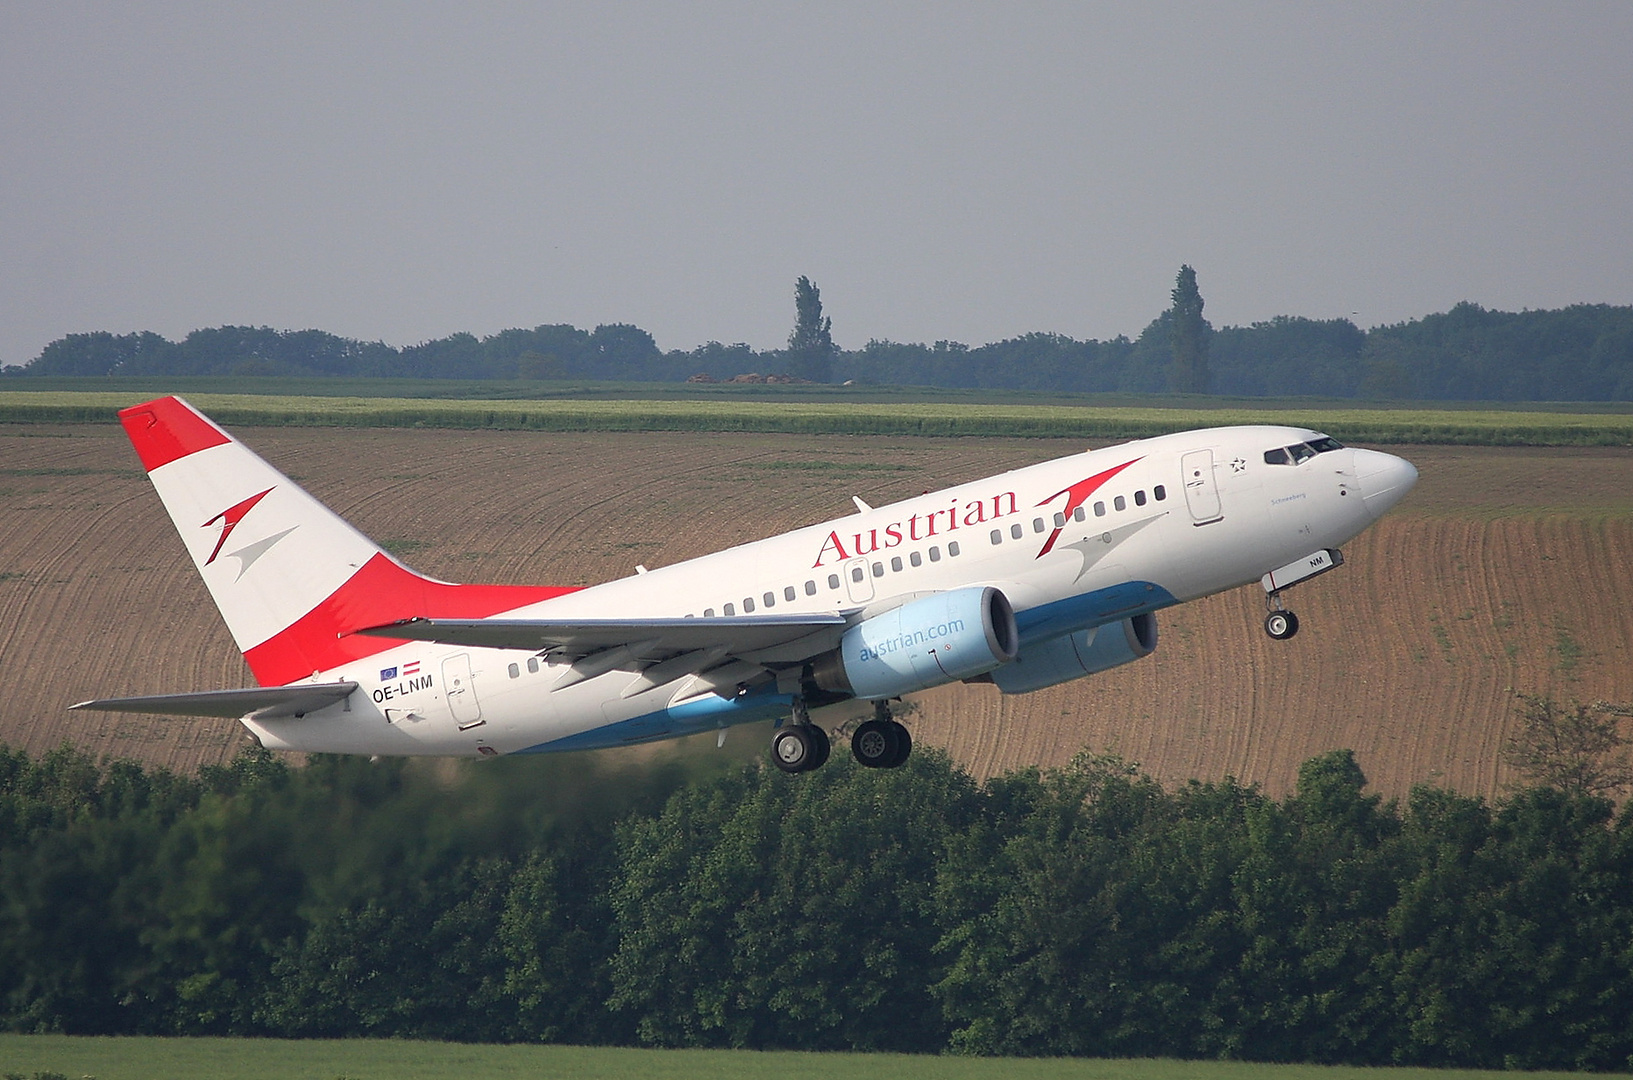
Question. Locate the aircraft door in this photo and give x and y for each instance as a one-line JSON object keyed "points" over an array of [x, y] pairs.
{"points": [[461, 691], [858, 581], [1201, 492]]}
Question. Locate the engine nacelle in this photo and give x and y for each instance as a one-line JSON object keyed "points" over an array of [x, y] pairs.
{"points": [[926, 642], [1072, 656]]}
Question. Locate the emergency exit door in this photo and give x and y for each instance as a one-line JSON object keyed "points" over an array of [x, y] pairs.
{"points": [[460, 692]]}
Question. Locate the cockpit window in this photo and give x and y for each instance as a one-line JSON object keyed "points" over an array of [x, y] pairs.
{"points": [[1301, 452]]}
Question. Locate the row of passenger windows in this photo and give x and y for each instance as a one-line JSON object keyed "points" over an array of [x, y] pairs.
{"points": [[769, 599], [1300, 452], [1016, 531], [915, 558]]}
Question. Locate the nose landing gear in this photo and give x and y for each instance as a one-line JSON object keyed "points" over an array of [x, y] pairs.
{"points": [[1280, 624]]}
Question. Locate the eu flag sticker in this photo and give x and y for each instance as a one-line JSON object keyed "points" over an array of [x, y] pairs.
{"points": [[388, 673]]}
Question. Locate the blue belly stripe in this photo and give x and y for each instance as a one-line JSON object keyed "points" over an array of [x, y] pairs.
{"points": [[704, 713]]}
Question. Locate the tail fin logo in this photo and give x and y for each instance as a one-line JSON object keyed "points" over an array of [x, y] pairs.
{"points": [[229, 519]]}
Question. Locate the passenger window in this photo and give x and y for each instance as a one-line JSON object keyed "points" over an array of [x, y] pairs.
{"points": [[952, 548], [1037, 524], [708, 613], [1078, 514], [997, 537], [896, 564], [770, 599], [878, 569], [935, 553], [748, 604], [1160, 492], [1016, 531], [857, 573], [729, 610], [515, 671], [1060, 521], [1277, 456], [1099, 509], [532, 665], [833, 581], [1120, 503], [1139, 498], [788, 593], [916, 559]]}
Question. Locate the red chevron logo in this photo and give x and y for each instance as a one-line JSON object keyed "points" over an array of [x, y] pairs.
{"points": [[229, 519]]}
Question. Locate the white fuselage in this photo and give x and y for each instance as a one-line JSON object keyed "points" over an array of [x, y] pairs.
{"points": [[1183, 516]]}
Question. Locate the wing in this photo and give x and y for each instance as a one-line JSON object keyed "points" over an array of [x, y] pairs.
{"points": [[720, 652], [256, 702]]}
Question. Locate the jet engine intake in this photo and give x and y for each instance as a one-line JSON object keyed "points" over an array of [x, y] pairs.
{"points": [[926, 642], [1072, 656]]}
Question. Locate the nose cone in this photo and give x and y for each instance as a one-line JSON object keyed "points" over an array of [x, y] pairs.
{"points": [[1384, 479]]}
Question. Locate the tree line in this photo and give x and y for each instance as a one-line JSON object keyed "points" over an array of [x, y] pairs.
{"points": [[1578, 353], [1085, 911]]}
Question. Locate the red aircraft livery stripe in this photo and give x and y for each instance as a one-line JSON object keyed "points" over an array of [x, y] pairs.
{"points": [[165, 430], [381, 592]]}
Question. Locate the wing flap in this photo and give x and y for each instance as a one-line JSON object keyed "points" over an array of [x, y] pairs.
{"points": [[255, 702]]}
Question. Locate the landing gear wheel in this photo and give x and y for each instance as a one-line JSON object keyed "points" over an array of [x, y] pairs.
{"points": [[904, 745], [876, 744], [793, 750], [820, 746], [1281, 625], [881, 744]]}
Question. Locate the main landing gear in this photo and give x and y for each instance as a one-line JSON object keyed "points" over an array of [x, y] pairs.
{"points": [[879, 743]]}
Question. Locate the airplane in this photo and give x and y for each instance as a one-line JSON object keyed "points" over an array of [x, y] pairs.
{"points": [[1022, 580]]}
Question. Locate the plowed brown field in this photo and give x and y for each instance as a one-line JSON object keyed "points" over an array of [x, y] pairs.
{"points": [[1506, 570]]}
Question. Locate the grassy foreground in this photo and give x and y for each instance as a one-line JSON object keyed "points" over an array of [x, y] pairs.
{"points": [[1489, 427], [377, 1059]]}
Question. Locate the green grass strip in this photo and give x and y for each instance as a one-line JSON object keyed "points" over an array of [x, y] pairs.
{"points": [[1445, 426], [378, 1059]]}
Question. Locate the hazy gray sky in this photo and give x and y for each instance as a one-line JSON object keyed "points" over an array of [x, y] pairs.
{"points": [[969, 171]]}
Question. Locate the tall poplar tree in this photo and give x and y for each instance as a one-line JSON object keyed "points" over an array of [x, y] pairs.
{"points": [[1189, 333], [810, 346]]}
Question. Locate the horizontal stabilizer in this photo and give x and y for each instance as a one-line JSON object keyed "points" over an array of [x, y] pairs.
{"points": [[255, 702], [734, 634]]}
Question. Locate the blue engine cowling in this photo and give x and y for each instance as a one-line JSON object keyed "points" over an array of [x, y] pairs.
{"points": [[1072, 656], [926, 642]]}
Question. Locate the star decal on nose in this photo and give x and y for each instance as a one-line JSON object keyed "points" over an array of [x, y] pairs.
{"points": [[1238, 465]]}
